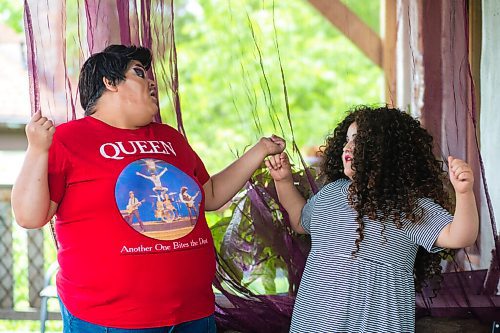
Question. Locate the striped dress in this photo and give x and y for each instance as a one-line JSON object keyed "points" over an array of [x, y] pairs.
{"points": [[373, 292]]}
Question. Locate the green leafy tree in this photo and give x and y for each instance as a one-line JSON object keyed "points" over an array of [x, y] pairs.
{"points": [[11, 13], [230, 80]]}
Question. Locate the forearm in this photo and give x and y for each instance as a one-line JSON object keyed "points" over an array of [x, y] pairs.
{"points": [[293, 202], [462, 231], [30, 193], [225, 184], [465, 226]]}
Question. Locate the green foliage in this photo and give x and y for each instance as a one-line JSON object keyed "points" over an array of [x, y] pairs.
{"points": [[11, 13], [250, 242], [29, 326], [368, 11], [230, 81]]}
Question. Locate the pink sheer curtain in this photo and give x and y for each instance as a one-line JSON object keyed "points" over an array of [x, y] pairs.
{"points": [[442, 96], [99, 23], [51, 87]]}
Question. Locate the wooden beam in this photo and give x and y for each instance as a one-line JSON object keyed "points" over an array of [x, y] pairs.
{"points": [[32, 314], [475, 45], [13, 139], [389, 32], [352, 27]]}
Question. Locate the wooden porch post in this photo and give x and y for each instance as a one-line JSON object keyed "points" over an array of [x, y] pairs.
{"points": [[349, 24], [389, 32], [382, 52]]}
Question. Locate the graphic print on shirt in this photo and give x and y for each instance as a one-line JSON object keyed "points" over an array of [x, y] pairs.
{"points": [[157, 199]]}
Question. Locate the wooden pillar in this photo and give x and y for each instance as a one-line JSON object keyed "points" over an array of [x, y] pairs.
{"points": [[389, 33], [475, 44], [349, 24]]}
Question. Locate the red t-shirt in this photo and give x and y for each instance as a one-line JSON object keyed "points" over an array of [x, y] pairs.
{"points": [[135, 250]]}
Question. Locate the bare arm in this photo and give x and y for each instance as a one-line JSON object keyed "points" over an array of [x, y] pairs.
{"points": [[162, 172], [143, 176], [463, 230], [288, 195], [222, 187], [30, 194]]}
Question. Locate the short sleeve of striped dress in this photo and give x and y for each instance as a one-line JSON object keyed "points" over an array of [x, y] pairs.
{"points": [[434, 219], [307, 211]]}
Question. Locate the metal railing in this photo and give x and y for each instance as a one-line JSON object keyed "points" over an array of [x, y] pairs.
{"points": [[35, 269]]}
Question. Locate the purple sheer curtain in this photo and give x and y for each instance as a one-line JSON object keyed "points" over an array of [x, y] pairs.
{"points": [[258, 235], [449, 113]]}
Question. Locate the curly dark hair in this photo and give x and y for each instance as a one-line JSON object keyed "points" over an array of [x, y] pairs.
{"points": [[394, 166]]}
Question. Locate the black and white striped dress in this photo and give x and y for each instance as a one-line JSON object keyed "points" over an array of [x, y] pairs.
{"points": [[373, 292]]}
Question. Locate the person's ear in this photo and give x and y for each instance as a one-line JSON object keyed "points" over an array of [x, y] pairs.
{"points": [[109, 84]]}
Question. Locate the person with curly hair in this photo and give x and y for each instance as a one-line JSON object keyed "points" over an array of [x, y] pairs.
{"points": [[384, 198]]}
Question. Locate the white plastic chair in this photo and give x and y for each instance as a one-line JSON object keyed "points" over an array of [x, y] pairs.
{"points": [[49, 291]]}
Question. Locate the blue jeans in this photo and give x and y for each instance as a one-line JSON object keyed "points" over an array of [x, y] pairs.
{"points": [[71, 324]]}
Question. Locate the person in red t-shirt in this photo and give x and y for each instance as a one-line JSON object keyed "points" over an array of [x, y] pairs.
{"points": [[113, 275]]}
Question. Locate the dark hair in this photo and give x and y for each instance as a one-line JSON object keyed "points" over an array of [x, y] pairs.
{"points": [[111, 63], [394, 166]]}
